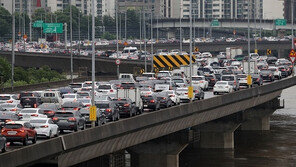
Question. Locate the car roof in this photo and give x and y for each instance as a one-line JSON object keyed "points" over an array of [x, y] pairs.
{"points": [[17, 122]]}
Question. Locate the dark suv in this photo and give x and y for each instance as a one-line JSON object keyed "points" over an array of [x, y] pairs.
{"points": [[69, 120], [110, 110], [125, 106], [150, 102]]}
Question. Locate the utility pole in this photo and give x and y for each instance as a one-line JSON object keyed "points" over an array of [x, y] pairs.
{"points": [[255, 17], [151, 39], [157, 33], [292, 23], [65, 35], [93, 76], [56, 32], [88, 28], [249, 48], [141, 30], [79, 32], [117, 40], [71, 51], [190, 48], [145, 48], [181, 40], [24, 30], [125, 22], [12, 44], [30, 17]]}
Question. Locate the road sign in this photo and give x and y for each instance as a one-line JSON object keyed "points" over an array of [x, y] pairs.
{"points": [[117, 61], [249, 80], [125, 43], [215, 23], [268, 51], [190, 92], [53, 28], [196, 49], [38, 23], [292, 55], [280, 22], [234, 32], [93, 113]]}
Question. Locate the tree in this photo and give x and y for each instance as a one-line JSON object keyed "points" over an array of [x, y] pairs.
{"points": [[5, 21], [5, 69]]}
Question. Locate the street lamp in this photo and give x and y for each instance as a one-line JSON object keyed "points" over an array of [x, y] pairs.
{"points": [[12, 44], [190, 89], [93, 59], [71, 51], [117, 45], [181, 41], [249, 49]]}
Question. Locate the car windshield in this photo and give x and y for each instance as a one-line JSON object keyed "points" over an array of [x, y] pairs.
{"points": [[39, 121], [64, 114], [6, 105], [227, 78], [102, 98], [4, 97], [272, 69], [26, 94], [163, 74], [83, 94], [47, 106], [28, 111], [102, 105], [148, 75], [197, 78], [221, 83], [13, 126], [75, 85], [85, 100], [105, 87], [69, 96]]}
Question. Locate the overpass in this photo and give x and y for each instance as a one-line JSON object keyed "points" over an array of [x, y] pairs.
{"points": [[171, 25], [157, 138], [61, 62]]}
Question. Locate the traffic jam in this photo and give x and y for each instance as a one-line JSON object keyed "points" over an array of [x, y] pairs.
{"points": [[30, 116]]}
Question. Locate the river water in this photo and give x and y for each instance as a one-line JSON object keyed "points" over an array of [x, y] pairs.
{"points": [[274, 148]]}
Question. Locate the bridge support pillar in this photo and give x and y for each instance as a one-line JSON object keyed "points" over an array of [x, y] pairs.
{"points": [[257, 118], [217, 134], [162, 152]]}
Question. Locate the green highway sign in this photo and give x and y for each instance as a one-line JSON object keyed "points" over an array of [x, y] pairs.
{"points": [[280, 22], [38, 23], [215, 23], [53, 28]]}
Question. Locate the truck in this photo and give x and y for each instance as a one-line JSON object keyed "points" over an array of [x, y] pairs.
{"points": [[186, 69], [126, 77], [231, 52], [134, 95], [253, 67]]}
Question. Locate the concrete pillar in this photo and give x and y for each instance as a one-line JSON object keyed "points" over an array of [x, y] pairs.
{"points": [[217, 134], [162, 152], [258, 118]]}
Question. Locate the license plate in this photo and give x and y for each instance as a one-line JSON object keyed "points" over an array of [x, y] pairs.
{"points": [[63, 120], [145, 105], [27, 105], [220, 87], [11, 132]]}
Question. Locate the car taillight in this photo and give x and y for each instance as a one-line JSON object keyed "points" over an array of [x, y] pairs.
{"points": [[258, 79], [34, 115], [76, 108], [108, 110], [9, 101], [126, 105], [72, 119], [152, 101], [88, 105], [55, 118], [49, 112], [44, 126], [22, 130], [269, 75], [111, 90], [35, 105], [172, 95], [196, 91], [201, 81], [3, 130], [20, 115], [163, 98], [8, 120], [186, 93], [14, 109]]}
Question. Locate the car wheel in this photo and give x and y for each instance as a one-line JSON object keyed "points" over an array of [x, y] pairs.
{"points": [[34, 139], [4, 149], [25, 141], [49, 135]]}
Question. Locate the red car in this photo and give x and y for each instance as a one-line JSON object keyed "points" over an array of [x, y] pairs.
{"points": [[19, 131]]}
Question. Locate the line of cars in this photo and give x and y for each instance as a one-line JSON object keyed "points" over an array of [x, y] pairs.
{"points": [[29, 115]]}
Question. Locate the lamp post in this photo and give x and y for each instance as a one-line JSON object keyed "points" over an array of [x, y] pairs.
{"points": [[12, 44], [181, 41], [71, 51], [93, 59], [117, 45], [190, 47], [249, 49]]}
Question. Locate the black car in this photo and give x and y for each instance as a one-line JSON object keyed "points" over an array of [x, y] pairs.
{"points": [[69, 120], [65, 90], [218, 76], [30, 102], [211, 78], [8, 116], [101, 117], [48, 109], [150, 102], [126, 107], [267, 75], [271, 60], [164, 99], [2, 143], [109, 108], [72, 105], [29, 94], [284, 71]]}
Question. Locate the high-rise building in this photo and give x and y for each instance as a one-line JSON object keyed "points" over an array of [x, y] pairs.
{"points": [[287, 9], [273, 9]]}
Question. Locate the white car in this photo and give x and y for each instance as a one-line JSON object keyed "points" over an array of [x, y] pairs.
{"points": [[8, 98], [183, 95], [222, 87], [108, 89], [174, 96], [31, 113], [146, 91], [85, 101], [276, 72], [200, 81], [70, 97], [206, 55], [45, 127]]}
